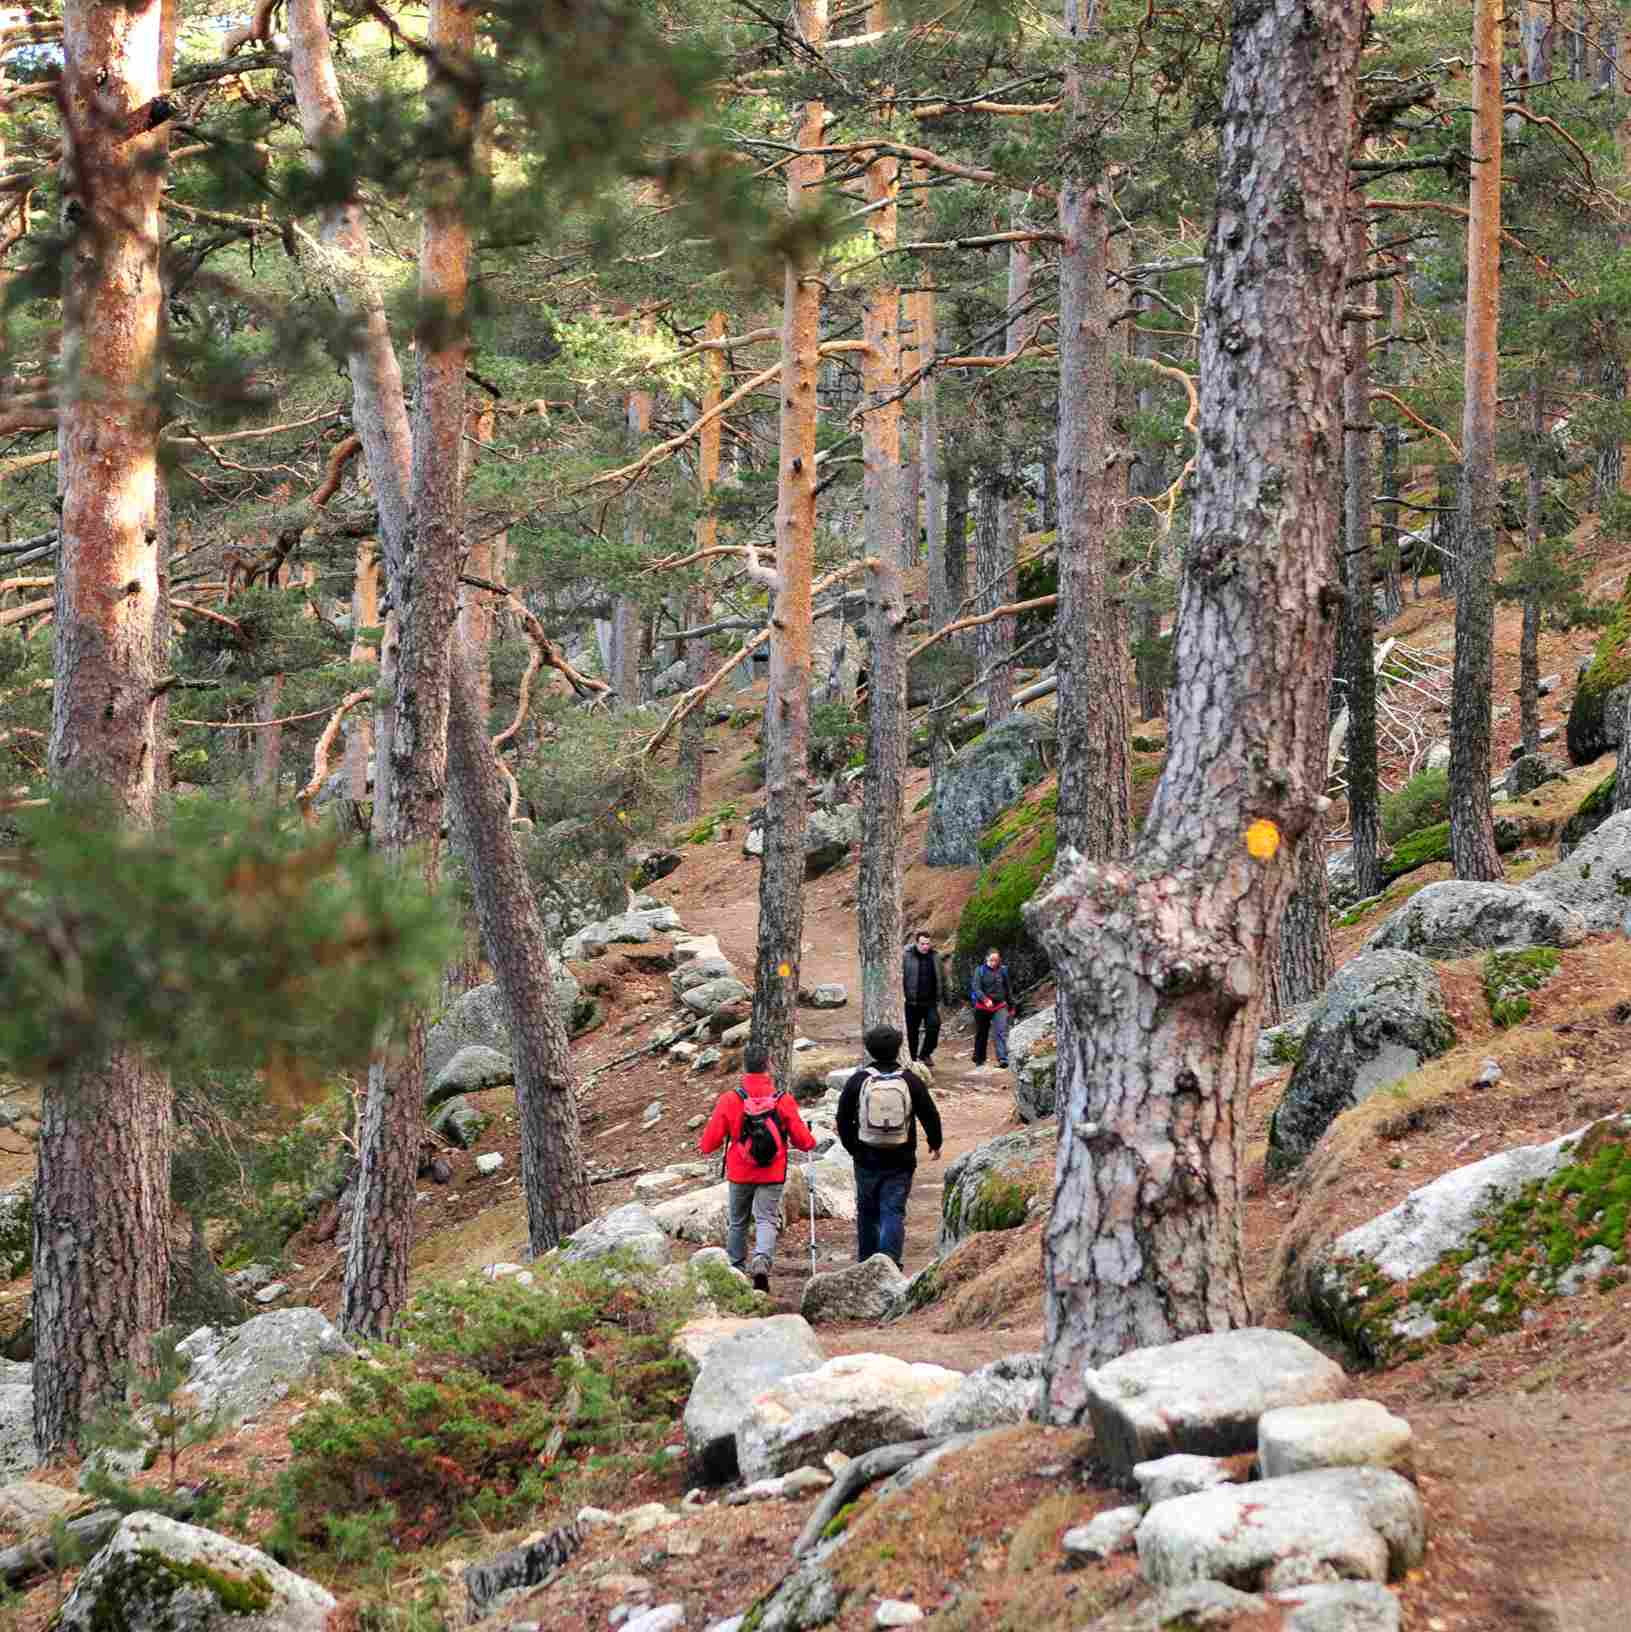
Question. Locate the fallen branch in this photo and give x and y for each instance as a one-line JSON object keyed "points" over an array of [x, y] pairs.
{"points": [[319, 769], [21, 614], [854, 1478], [697, 695]]}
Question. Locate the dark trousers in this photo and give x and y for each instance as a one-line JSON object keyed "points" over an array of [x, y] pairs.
{"points": [[880, 1211], [922, 1019], [992, 1023]]}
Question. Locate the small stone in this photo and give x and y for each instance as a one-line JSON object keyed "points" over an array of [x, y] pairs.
{"points": [[683, 1544], [489, 1162], [761, 1490], [1179, 1475], [624, 1584], [706, 1060], [1103, 1536], [649, 1516], [828, 996], [270, 1294], [835, 1462], [696, 1122], [897, 1612], [1341, 1434], [735, 1036], [619, 1614], [682, 1051], [1489, 1073], [595, 1518], [696, 1496], [804, 1482], [800, 1044], [652, 1115]]}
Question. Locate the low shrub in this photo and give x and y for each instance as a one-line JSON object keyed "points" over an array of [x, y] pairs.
{"points": [[1422, 801], [1509, 978]]}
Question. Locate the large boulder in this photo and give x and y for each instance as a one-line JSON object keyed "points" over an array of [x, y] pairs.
{"points": [[629, 1228], [829, 836], [241, 1372], [733, 1372], [1478, 1247], [980, 783], [1452, 918], [159, 1575], [1528, 772], [857, 1292], [17, 1453], [1595, 881], [1597, 714], [709, 996], [991, 1186], [631, 928], [1589, 815], [698, 971], [831, 1180], [1339, 1434], [472, 1069], [16, 1231], [1364, 1524], [1203, 1395], [478, 1016], [1379, 1019], [1033, 1059], [1008, 1390], [699, 1216], [852, 1404]]}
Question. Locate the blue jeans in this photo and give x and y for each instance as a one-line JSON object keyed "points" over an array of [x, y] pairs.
{"points": [[880, 1211]]}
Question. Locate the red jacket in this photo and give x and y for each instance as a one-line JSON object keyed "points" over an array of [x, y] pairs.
{"points": [[726, 1123]]}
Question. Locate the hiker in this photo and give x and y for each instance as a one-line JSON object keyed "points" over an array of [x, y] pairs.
{"points": [[920, 985], [878, 1115], [993, 999], [760, 1122]]}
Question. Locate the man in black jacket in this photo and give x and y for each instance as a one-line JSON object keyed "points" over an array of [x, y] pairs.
{"points": [[920, 985], [883, 1173]]}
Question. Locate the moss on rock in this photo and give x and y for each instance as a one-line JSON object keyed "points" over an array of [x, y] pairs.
{"points": [[139, 1587], [1509, 978], [1593, 811], [994, 914], [1431, 844], [1609, 669]]}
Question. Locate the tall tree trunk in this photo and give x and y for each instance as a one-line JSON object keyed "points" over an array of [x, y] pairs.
{"points": [[954, 464], [378, 413], [1164, 958], [101, 1197], [484, 558], [781, 875], [1358, 642], [931, 459], [553, 1177], [1529, 640], [878, 891], [1391, 527], [625, 664], [1095, 787], [426, 597], [694, 726], [1301, 967], [359, 745], [1472, 825]]}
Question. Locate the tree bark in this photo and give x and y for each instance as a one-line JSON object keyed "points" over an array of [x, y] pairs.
{"points": [[553, 1177], [1164, 958], [101, 1196], [484, 558], [878, 892], [697, 652], [1095, 787], [359, 737], [954, 465], [932, 462], [998, 583], [625, 664], [1529, 640], [1358, 644], [1301, 968], [781, 874], [1472, 825], [426, 598], [378, 412]]}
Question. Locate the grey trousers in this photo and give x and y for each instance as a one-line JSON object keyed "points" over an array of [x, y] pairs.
{"points": [[763, 1202]]}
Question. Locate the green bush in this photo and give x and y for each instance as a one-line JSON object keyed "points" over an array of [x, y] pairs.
{"points": [[1509, 978], [490, 1399], [1421, 802]]}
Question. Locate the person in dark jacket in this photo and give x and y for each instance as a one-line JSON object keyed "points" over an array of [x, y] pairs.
{"points": [[993, 1002], [883, 1173], [755, 1186], [920, 986]]}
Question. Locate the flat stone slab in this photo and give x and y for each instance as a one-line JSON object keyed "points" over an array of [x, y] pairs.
{"points": [[1171, 1476], [1337, 1524], [1343, 1434], [1103, 1536], [1202, 1395], [852, 1404], [1338, 1606]]}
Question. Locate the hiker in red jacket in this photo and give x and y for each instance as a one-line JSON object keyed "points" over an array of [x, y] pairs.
{"points": [[760, 1122]]}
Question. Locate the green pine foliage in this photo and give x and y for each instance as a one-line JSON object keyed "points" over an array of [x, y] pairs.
{"points": [[1422, 802]]}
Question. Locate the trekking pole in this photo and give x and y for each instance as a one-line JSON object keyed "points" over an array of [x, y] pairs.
{"points": [[810, 1203]]}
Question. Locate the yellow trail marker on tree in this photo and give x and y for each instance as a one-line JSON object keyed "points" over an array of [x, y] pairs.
{"points": [[1262, 840]]}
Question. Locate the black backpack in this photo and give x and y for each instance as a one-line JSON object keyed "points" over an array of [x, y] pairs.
{"points": [[761, 1129]]}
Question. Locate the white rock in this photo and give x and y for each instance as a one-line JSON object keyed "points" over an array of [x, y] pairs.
{"points": [[28, 1505], [241, 1372], [1103, 1536], [1006, 1391], [489, 1162], [853, 1404], [17, 1453], [649, 1184], [1338, 1523], [699, 1215], [649, 1516], [665, 1618], [270, 1294], [595, 1518], [696, 1339], [804, 1481], [1171, 1476], [153, 1577], [1203, 1394], [629, 1228], [761, 1490], [1339, 1606], [734, 1369], [857, 1292], [1342, 1434], [897, 1612]]}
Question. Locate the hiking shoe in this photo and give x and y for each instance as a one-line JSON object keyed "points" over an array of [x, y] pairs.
{"points": [[761, 1274]]}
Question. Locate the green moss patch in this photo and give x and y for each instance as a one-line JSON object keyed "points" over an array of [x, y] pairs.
{"points": [[1431, 844], [994, 913], [1020, 823], [1003, 1201], [1509, 978], [1513, 1261], [145, 1581], [1594, 810], [1610, 668]]}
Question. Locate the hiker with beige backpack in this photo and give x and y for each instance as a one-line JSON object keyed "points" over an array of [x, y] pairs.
{"points": [[878, 1116]]}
